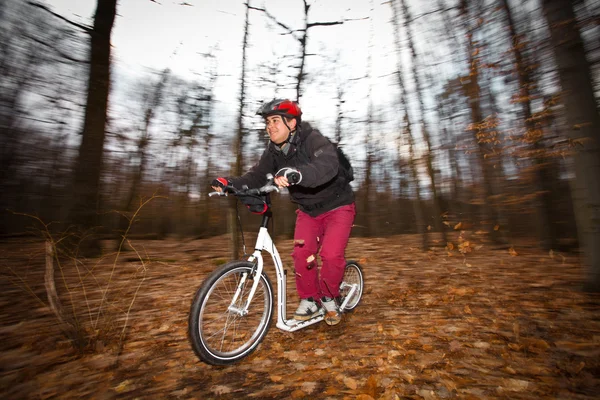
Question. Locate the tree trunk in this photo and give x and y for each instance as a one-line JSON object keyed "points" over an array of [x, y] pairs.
{"points": [[456, 205], [542, 183], [303, 42], [437, 209], [88, 167], [367, 195], [583, 130], [239, 141], [417, 202], [473, 92], [143, 142]]}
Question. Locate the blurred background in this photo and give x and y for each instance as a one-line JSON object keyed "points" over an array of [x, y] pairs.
{"points": [[456, 114]]}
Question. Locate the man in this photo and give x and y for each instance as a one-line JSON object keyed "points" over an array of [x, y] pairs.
{"points": [[326, 208]]}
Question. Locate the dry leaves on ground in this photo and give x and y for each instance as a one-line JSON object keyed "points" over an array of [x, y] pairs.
{"points": [[447, 323]]}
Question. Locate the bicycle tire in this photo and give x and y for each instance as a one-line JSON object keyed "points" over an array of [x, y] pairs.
{"points": [[353, 274], [220, 336]]}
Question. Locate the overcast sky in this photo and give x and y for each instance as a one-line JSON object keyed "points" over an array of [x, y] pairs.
{"points": [[164, 33]]}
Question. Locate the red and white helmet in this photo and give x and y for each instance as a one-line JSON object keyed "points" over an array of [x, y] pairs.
{"points": [[284, 107]]}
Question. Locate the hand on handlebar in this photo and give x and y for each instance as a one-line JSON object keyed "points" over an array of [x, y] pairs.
{"points": [[287, 177], [281, 181], [220, 184], [223, 186]]}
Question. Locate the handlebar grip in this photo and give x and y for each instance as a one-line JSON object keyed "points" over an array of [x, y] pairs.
{"points": [[293, 176]]}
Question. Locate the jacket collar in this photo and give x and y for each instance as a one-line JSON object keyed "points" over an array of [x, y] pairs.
{"points": [[296, 140]]}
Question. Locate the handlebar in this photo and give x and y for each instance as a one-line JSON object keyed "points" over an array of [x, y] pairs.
{"points": [[293, 176], [266, 188]]}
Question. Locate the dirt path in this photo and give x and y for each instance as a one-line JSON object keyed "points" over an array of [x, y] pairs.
{"points": [[497, 324]]}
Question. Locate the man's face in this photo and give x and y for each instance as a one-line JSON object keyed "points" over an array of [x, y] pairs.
{"points": [[277, 130]]}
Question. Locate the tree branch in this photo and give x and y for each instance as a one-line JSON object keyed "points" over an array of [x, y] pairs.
{"points": [[310, 25], [281, 24], [84, 28], [59, 52]]}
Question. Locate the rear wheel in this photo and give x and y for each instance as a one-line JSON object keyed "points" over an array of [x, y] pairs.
{"points": [[353, 278], [220, 330]]}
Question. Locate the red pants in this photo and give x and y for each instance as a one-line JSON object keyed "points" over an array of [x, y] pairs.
{"points": [[329, 233]]}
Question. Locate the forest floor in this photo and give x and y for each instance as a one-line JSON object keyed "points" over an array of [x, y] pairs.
{"points": [[484, 323]]}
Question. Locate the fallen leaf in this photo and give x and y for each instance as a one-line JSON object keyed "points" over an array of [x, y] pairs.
{"points": [[407, 376], [221, 389], [515, 385], [298, 394], [291, 355], [123, 386], [455, 345], [350, 383], [371, 386], [364, 397], [427, 394], [308, 387]]}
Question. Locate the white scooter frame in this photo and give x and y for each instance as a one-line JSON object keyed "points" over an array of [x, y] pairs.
{"points": [[264, 242]]}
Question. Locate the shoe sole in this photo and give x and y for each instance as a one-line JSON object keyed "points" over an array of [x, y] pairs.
{"points": [[306, 317], [333, 320]]}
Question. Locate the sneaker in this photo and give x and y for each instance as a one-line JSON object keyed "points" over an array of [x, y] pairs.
{"points": [[332, 314], [307, 309]]}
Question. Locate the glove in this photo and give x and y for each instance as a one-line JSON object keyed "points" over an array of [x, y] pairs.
{"points": [[220, 183]]}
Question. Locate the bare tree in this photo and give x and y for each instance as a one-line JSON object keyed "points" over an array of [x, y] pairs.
{"points": [[238, 143], [152, 100], [367, 187], [88, 167], [583, 129], [417, 203], [207, 125], [541, 181], [302, 39], [478, 126], [437, 209]]}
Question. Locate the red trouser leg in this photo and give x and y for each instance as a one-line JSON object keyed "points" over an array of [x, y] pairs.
{"points": [[306, 246], [337, 225], [329, 232]]}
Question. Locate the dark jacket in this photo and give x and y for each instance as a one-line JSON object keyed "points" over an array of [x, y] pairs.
{"points": [[323, 186]]}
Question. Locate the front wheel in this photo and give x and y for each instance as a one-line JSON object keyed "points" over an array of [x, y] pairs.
{"points": [[221, 329], [352, 285]]}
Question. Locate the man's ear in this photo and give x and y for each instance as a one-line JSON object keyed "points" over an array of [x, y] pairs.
{"points": [[292, 122]]}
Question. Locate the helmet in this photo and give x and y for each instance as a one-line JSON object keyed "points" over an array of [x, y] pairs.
{"points": [[284, 107]]}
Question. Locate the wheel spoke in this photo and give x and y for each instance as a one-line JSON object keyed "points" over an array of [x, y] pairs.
{"points": [[223, 331]]}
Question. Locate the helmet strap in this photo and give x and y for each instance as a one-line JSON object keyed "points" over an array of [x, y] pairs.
{"points": [[290, 134]]}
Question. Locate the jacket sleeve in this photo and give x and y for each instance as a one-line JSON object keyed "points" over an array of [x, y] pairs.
{"points": [[323, 165], [257, 175]]}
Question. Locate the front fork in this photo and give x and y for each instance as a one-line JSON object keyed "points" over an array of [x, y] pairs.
{"points": [[256, 273]]}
